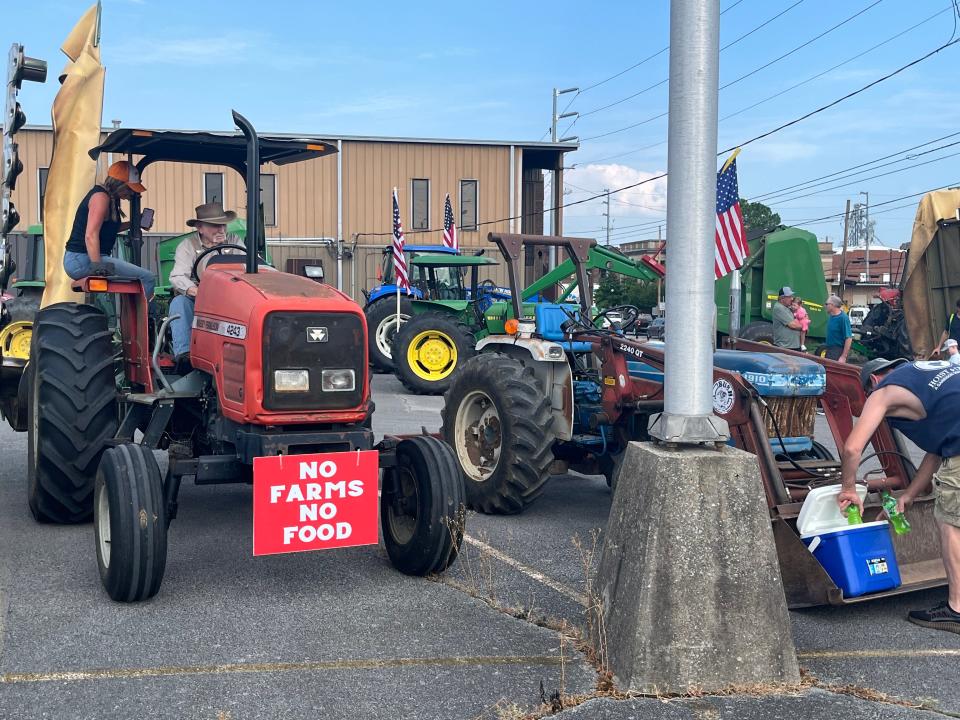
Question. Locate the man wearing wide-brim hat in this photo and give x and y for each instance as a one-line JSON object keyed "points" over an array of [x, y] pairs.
{"points": [[211, 230]]}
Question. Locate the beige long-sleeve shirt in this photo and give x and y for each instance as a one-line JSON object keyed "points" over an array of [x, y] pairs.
{"points": [[186, 254]]}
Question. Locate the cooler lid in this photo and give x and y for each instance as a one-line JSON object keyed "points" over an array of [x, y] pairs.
{"points": [[820, 510]]}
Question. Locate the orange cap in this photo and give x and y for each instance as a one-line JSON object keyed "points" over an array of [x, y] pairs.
{"points": [[126, 173]]}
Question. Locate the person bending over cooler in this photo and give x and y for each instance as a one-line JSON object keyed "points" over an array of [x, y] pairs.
{"points": [[919, 399], [211, 230]]}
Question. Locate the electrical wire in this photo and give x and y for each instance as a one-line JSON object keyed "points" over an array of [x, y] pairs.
{"points": [[722, 87], [782, 92], [795, 121]]}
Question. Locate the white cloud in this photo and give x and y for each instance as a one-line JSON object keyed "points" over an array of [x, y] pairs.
{"points": [[645, 201]]}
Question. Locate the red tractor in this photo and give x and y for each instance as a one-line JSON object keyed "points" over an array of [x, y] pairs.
{"points": [[279, 368]]}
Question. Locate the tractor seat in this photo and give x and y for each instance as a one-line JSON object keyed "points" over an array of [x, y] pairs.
{"points": [[550, 317]]}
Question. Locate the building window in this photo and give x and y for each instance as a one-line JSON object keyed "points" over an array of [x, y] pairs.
{"points": [[421, 204], [213, 187], [468, 205], [268, 198], [42, 187]]}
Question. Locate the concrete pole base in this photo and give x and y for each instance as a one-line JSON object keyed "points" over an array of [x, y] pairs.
{"points": [[688, 593]]}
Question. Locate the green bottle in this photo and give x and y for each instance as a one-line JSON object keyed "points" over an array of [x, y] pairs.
{"points": [[853, 515], [901, 525]]}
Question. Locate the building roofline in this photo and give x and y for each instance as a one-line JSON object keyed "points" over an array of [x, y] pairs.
{"points": [[532, 145]]}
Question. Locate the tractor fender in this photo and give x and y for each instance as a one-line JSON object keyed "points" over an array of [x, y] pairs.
{"points": [[550, 366]]}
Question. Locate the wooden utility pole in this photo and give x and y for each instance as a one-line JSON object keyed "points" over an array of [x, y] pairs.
{"points": [[843, 254]]}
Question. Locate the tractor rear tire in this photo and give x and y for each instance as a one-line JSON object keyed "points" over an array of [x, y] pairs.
{"points": [[72, 411], [381, 319], [422, 507], [130, 523], [760, 331], [497, 418], [428, 350]]}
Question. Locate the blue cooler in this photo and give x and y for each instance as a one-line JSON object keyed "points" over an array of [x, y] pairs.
{"points": [[858, 558]]}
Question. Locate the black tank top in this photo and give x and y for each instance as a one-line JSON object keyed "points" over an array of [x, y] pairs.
{"points": [[108, 229]]}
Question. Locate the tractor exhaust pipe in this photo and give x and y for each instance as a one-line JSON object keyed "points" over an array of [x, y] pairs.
{"points": [[254, 229]]}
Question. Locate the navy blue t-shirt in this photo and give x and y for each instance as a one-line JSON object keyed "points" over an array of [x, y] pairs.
{"points": [[838, 329], [936, 383]]}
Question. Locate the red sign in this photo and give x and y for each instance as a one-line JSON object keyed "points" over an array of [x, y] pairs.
{"points": [[314, 502]]}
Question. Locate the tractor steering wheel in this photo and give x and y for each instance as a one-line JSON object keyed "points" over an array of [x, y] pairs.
{"points": [[631, 313], [206, 251], [486, 287]]}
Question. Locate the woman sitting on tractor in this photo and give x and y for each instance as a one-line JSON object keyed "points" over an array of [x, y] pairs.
{"points": [[95, 229]]}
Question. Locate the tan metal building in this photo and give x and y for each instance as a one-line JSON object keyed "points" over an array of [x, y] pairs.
{"points": [[343, 201]]}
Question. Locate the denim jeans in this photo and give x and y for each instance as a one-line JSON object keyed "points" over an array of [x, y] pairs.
{"points": [[183, 306], [77, 266]]}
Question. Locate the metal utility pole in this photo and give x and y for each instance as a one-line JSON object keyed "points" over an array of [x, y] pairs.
{"points": [[866, 231], [843, 253], [557, 193], [607, 213], [691, 225]]}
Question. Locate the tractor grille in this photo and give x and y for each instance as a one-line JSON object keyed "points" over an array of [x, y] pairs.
{"points": [[291, 342], [795, 416]]}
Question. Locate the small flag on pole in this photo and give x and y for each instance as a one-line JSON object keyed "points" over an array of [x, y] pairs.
{"points": [[399, 262], [731, 249], [449, 226]]}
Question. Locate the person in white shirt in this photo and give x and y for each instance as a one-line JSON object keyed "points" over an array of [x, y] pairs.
{"points": [[211, 230]]}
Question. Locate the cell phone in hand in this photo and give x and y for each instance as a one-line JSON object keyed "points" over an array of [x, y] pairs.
{"points": [[146, 218]]}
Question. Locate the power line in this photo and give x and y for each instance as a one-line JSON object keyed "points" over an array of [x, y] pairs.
{"points": [[774, 197], [800, 47], [782, 92], [854, 167], [659, 83], [733, 82], [837, 66], [841, 99], [647, 59]]}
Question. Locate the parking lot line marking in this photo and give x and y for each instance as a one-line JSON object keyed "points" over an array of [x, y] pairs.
{"points": [[918, 653], [529, 571], [233, 668]]}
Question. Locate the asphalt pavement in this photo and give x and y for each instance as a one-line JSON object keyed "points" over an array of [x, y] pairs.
{"points": [[342, 634]]}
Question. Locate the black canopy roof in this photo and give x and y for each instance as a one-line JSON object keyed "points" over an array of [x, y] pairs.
{"points": [[209, 148]]}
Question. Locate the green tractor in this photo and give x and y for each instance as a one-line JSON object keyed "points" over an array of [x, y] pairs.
{"points": [[443, 332]]}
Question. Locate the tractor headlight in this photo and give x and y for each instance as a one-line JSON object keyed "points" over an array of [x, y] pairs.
{"points": [[554, 352], [337, 380], [291, 381]]}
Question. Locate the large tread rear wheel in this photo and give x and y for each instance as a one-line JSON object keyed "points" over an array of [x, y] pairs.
{"points": [[422, 507], [382, 330], [497, 419], [428, 350], [72, 410], [130, 523], [759, 331]]}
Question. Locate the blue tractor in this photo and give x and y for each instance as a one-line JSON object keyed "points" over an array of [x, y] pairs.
{"points": [[381, 305]]}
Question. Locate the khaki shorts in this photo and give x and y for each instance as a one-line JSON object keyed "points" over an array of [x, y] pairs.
{"points": [[946, 490]]}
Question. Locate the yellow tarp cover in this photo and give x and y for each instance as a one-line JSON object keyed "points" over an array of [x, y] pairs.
{"points": [[920, 318], [76, 116]]}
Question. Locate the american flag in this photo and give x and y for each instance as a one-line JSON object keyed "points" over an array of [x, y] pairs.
{"points": [[449, 226], [399, 262], [731, 239]]}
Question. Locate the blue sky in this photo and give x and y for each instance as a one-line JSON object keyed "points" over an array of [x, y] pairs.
{"points": [[465, 70]]}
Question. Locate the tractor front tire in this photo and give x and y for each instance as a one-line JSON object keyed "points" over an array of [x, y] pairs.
{"points": [[428, 350], [497, 419], [759, 331], [382, 331], [422, 507], [72, 410], [130, 523]]}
